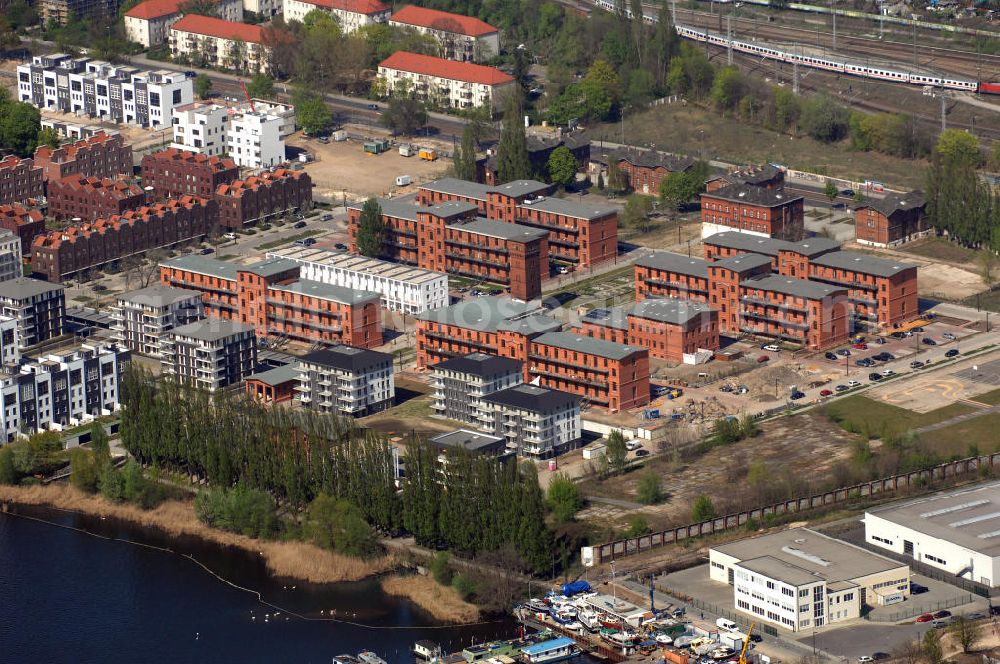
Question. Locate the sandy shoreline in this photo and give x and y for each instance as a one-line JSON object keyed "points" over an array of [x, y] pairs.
{"points": [[441, 602], [296, 560]]}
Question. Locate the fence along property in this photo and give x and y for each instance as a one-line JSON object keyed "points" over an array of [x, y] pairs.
{"points": [[602, 553]]}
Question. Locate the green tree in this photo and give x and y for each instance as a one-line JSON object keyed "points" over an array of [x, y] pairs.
{"points": [[404, 116], [203, 86], [562, 166], [100, 444], [727, 89], [48, 136], [617, 452], [19, 126], [725, 431], [441, 568], [637, 526], [337, 524], [8, 474], [960, 145], [681, 187], [966, 633], [931, 647], [464, 586], [617, 184], [465, 155], [112, 484], [703, 509], [371, 229], [311, 112], [650, 488], [84, 471], [830, 190], [512, 151], [824, 119], [636, 212], [261, 87], [563, 498]]}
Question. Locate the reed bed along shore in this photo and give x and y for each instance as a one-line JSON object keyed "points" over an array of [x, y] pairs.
{"points": [[442, 602]]}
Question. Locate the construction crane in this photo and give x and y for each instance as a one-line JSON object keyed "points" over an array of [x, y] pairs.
{"points": [[746, 644], [247, 95]]}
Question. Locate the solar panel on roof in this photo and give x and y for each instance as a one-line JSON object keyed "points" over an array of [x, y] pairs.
{"points": [[954, 508]]}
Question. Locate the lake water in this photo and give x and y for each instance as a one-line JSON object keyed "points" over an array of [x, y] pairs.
{"points": [[66, 596]]}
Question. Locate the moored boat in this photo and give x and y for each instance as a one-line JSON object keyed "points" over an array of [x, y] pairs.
{"points": [[368, 657], [554, 650]]}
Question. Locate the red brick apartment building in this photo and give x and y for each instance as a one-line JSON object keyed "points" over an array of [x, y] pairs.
{"points": [[60, 254], [102, 155], [174, 172], [270, 296], [90, 198], [603, 373], [582, 234], [668, 328], [882, 292], [20, 180], [449, 237], [259, 197], [645, 169], [892, 220], [539, 151], [753, 210], [668, 275], [23, 222]]}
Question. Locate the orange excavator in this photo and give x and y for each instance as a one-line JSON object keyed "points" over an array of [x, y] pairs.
{"points": [[746, 644]]}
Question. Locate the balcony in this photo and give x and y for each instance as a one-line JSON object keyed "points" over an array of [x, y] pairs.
{"points": [[552, 228], [476, 247], [535, 371], [783, 306], [776, 321], [462, 258], [675, 285], [566, 363]]}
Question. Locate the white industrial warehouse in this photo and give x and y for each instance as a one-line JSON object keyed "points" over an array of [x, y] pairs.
{"points": [[799, 579], [957, 531]]}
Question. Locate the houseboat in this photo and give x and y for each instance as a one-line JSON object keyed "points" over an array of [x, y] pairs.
{"points": [[368, 657], [556, 650], [426, 650]]}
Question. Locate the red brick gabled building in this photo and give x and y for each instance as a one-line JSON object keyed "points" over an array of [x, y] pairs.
{"points": [[644, 170], [665, 274], [752, 210], [892, 220], [259, 197], [59, 254], [20, 180], [24, 222], [90, 198], [102, 155], [174, 172]]}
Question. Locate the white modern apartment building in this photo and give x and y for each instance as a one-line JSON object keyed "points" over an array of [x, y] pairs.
{"points": [[148, 23], [799, 579], [284, 111], [956, 531], [463, 38], [206, 40], [403, 288], [97, 89], [534, 420], [141, 318], [460, 384], [350, 14], [201, 127], [61, 390], [266, 9], [346, 380], [210, 354], [11, 264], [445, 82], [39, 308], [10, 348], [254, 140]]}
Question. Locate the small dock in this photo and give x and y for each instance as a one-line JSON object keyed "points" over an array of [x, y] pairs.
{"points": [[589, 644]]}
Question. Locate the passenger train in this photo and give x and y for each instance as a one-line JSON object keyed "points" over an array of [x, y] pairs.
{"points": [[853, 68]]}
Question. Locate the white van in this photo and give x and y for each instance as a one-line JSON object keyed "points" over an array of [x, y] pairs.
{"points": [[403, 180], [727, 625]]}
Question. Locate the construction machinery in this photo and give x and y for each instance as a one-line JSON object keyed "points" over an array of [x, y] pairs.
{"points": [[247, 95], [746, 644]]}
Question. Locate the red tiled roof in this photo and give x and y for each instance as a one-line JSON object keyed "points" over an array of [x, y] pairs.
{"points": [[438, 20], [366, 7], [254, 182], [13, 161], [216, 27], [116, 188], [151, 9], [218, 163], [451, 69], [67, 151], [20, 214]]}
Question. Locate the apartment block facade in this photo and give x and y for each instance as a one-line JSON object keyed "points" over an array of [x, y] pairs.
{"points": [[117, 93], [350, 14], [57, 391], [209, 354], [172, 172], [453, 84], [271, 297], [59, 254], [148, 23], [88, 198], [891, 221], [347, 381], [217, 42], [24, 223], [753, 210], [20, 180], [403, 288], [462, 38], [536, 421], [11, 264], [459, 384], [10, 347], [38, 307], [141, 318], [262, 197], [102, 155]]}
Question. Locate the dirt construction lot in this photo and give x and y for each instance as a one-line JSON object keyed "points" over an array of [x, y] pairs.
{"points": [[346, 167]]}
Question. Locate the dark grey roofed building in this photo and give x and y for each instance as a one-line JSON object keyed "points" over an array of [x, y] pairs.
{"points": [[348, 381], [460, 383], [588, 345], [39, 308], [500, 229], [804, 288], [475, 442], [666, 260], [863, 263], [536, 421], [210, 354], [752, 195]]}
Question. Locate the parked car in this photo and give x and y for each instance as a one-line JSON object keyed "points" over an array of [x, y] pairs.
{"points": [[929, 341], [865, 362], [299, 224], [917, 329], [763, 358], [884, 357], [951, 353], [372, 107], [898, 335], [880, 340], [641, 453], [879, 656], [925, 617], [841, 388], [943, 614], [852, 383], [191, 73], [875, 377], [864, 659], [916, 364], [916, 588], [844, 352], [772, 348], [825, 393], [975, 615], [796, 395], [888, 372], [949, 336], [831, 356], [861, 346], [326, 217], [847, 192], [323, 139], [633, 445], [940, 623], [207, 250], [342, 247]]}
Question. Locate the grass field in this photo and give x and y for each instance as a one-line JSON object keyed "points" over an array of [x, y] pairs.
{"points": [[957, 438], [989, 301], [862, 414], [939, 248], [702, 133], [991, 398]]}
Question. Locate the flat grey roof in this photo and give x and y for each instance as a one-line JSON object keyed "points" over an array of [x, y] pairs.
{"points": [[969, 518], [269, 267], [532, 398], [501, 229], [158, 295], [402, 208], [666, 260], [863, 263], [212, 329], [25, 287], [276, 376], [746, 242], [614, 317], [810, 290], [457, 187], [489, 314], [752, 195], [202, 265], [815, 246], [776, 568], [670, 310], [347, 358], [469, 440], [323, 291], [589, 345], [518, 188], [569, 208], [357, 263], [479, 364], [813, 553], [742, 262]]}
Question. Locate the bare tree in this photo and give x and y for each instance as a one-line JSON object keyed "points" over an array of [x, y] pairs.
{"points": [[909, 652], [142, 271], [966, 632], [987, 263]]}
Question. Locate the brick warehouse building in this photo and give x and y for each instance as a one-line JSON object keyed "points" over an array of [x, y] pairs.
{"points": [[644, 170], [102, 155], [892, 220], [20, 180], [668, 328], [59, 254], [882, 292], [90, 198], [752, 210], [450, 237], [259, 197], [270, 296], [23, 222], [174, 172], [581, 234]]}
